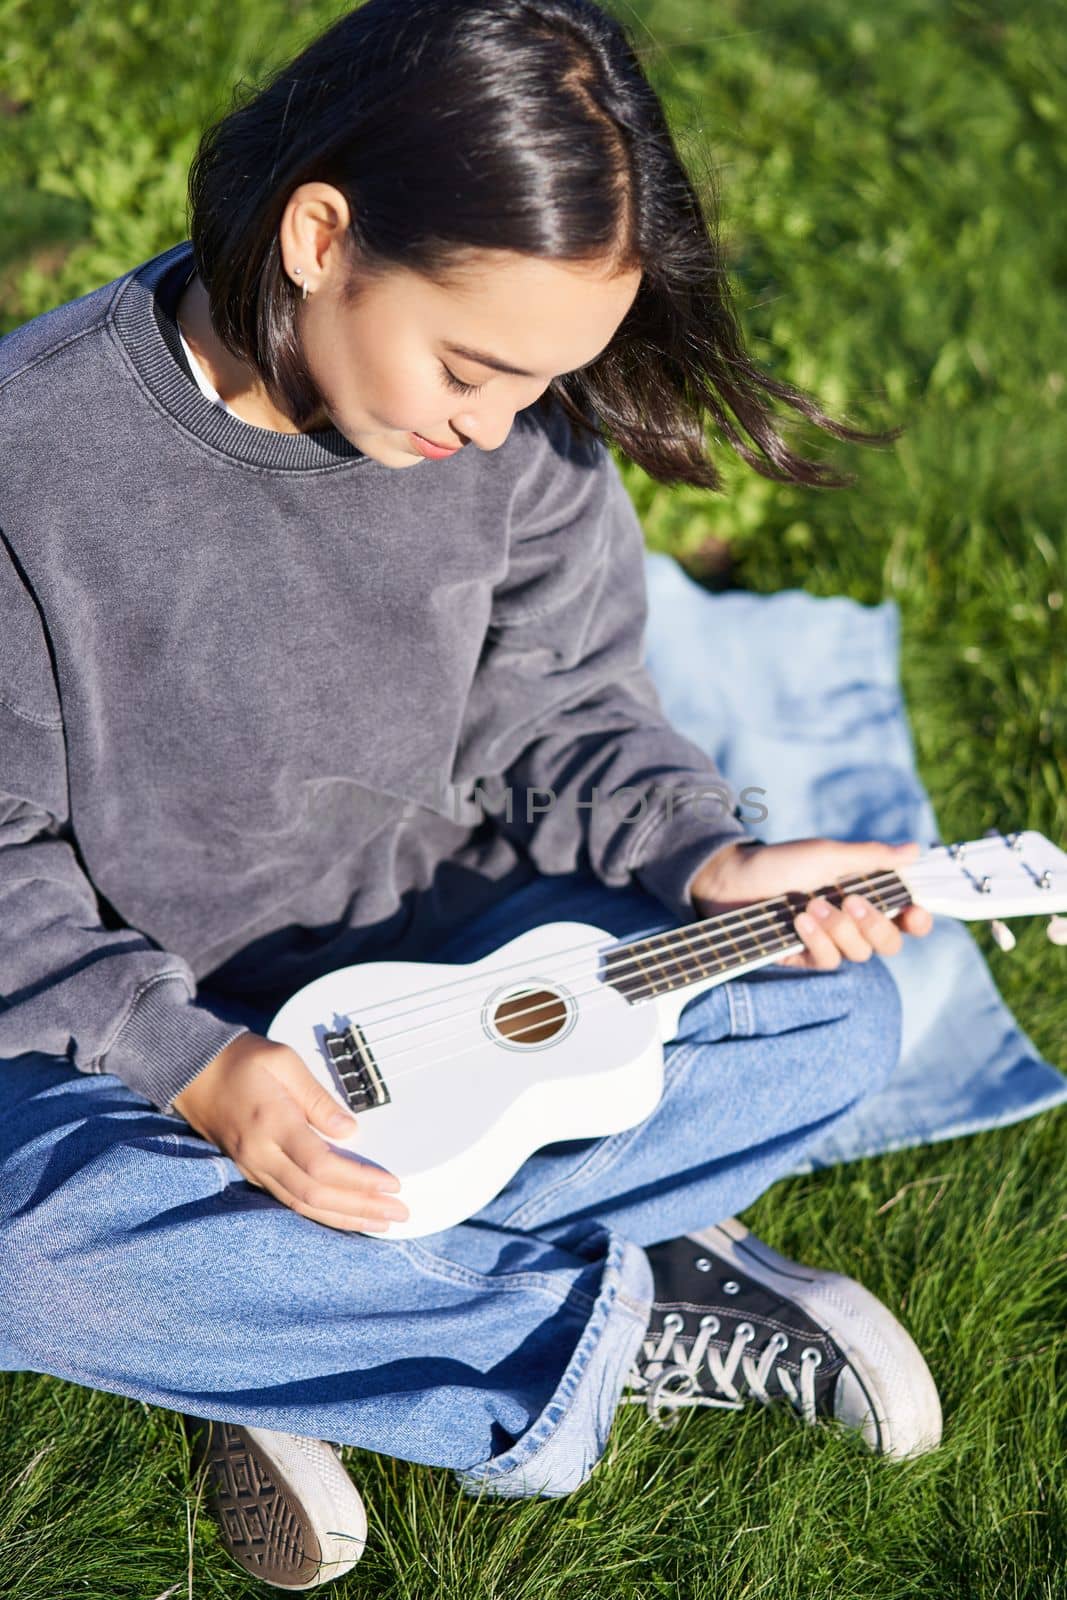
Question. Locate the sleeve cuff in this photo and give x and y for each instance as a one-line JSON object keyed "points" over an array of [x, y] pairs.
{"points": [[675, 851], [166, 1040]]}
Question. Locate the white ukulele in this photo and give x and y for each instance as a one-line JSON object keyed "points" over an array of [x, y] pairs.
{"points": [[458, 1073]]}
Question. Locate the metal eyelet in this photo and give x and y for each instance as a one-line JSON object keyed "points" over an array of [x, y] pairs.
{"points": [[710, 1321], [814, 1356], [702, 1264], [730, 1286]]}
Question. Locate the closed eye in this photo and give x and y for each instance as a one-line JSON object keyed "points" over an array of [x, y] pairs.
{"points": [[460, 387]]}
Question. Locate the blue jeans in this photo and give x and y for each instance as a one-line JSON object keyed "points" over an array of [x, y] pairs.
{"points": [[135, 1258]]}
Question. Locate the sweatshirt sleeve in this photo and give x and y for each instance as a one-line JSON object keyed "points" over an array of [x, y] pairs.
{"points": [[590, 772], [110, 1000]]}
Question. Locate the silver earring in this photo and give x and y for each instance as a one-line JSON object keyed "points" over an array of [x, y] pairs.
{"points": [[297, 272]]}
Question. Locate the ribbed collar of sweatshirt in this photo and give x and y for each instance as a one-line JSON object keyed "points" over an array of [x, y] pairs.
{"points": [[145, 318]]}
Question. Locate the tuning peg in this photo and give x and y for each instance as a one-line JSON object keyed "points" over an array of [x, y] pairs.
{"points": [[1002, 934], [1057, 930]]}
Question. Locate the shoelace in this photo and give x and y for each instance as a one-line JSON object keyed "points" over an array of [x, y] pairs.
{"points": [[677, 1383]]}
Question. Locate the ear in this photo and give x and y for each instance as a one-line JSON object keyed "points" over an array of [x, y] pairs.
{"points": [[313, 234]]}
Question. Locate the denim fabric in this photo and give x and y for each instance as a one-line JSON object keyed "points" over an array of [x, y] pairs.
{"points": [[134, 1257], [797, 697]]}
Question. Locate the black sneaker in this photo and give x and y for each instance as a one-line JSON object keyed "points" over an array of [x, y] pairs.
{"points": [[288, 1511], [732, 1321]]}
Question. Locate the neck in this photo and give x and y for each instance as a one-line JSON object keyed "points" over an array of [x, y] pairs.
{"points": [[747, 937], [233, 380]]}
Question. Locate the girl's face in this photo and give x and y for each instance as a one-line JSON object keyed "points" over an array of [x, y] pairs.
{"points": [[450, 365]]}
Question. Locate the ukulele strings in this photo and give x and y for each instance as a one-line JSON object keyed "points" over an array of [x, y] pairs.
{"points": [[684, 935], [599, 990], [599, 987], [673, 942], [750, 944], [919, 874], [707, 940]]}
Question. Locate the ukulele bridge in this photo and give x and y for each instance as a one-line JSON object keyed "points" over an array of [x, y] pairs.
{"points": [[355, 1069]]}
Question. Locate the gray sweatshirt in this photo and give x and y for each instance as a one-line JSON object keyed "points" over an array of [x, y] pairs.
{"points": [[268, 707]]}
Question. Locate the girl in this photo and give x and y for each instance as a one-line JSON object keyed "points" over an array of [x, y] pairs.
{"points": [[317, 571]]}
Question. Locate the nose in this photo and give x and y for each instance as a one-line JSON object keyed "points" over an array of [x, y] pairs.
{"points": [[486, 430]]}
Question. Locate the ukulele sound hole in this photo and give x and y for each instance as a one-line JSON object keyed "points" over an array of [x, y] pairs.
{"points": [[530, 1016]]}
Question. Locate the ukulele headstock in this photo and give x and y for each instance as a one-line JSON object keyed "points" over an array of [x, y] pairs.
{"points": [[1002, 875]]}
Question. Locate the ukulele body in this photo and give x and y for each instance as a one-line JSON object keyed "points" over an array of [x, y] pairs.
{"points": [[482, 1063], [458, 1073]]}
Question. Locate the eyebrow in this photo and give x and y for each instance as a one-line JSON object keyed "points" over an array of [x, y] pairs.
{"points": [[487, 360], [502, 366]]}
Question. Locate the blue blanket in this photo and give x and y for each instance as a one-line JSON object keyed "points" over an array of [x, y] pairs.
{"points": [[800, 696]]}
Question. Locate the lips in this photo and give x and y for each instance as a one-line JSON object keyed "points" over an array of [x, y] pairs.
{"points": [[432, 450]]}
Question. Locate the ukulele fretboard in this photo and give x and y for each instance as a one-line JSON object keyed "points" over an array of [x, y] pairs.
{"points": [[731, 940]]}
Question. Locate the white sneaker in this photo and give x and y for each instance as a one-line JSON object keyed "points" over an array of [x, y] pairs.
{"points": [[732, 1320], [288, 1511]]}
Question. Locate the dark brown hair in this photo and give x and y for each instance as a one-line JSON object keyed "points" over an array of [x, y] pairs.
{"points": [[452, 126]]}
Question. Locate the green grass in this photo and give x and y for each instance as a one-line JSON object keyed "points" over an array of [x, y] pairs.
{"points": [[892, 177]]}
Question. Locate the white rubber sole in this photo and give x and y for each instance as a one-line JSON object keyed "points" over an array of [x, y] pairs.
{"points": [[288, 1512], [891, 1396]]}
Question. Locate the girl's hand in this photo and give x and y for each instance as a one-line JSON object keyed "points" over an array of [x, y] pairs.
{"points": [[255, 1100], [741, 874]]}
